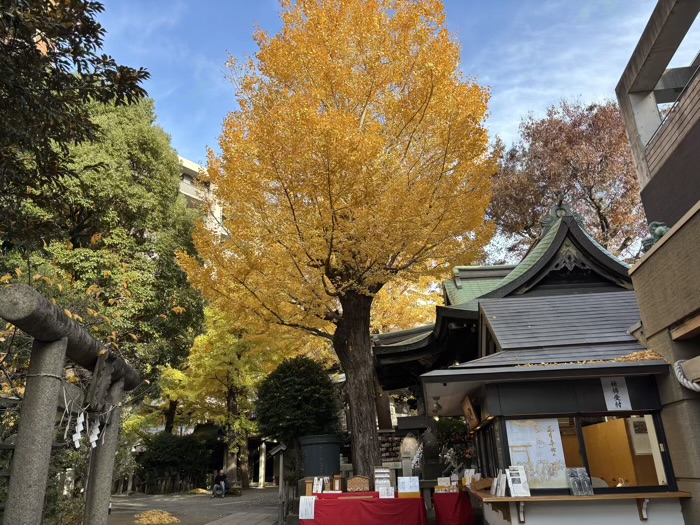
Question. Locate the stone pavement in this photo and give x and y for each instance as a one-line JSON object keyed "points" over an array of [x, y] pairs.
{"points": [[254, 507], [246, 518]]}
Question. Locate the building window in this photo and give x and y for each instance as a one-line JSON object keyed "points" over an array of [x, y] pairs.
{"points": [[619, 452]]}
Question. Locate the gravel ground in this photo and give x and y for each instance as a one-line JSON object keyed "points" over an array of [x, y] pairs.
{"points": [[194, 509]]}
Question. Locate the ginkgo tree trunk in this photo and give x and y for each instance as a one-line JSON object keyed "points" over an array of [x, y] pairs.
{"points": [[358, 153]]}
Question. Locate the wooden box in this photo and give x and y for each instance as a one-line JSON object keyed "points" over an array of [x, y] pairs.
{"points": [[482, 484], [358, 484]]}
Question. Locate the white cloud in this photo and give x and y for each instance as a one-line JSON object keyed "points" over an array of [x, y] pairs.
{"points": [[543, 52]]}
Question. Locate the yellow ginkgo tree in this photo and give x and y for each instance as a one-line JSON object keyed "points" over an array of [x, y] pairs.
{"points": [[358, 153], [217, 384]]}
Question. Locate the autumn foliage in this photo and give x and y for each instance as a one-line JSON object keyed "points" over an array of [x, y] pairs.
{"points": [[579, 154], [357, 154]]}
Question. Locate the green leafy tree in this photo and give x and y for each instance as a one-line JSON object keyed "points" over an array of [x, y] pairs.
{"points": [[184, 457], [115, 231], [296, 400], [50, 69]]}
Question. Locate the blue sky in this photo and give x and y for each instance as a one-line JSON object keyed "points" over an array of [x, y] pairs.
{"points": [[532, 53]]}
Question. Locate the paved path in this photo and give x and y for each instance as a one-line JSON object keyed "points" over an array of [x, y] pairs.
{"points": [[255, 507]]}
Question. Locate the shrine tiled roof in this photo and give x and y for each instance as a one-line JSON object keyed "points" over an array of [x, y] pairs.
{"points": [[582, 354], [470, 289], [519, 322]]}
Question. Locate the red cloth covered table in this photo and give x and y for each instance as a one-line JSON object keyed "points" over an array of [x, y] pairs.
{"points": [[453, 508], [347, 495], [396, 511]]}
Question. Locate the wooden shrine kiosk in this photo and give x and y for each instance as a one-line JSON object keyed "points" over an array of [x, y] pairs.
{"points": [[557, 378]]}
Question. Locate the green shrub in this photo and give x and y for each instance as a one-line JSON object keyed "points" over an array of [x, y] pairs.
{"points": [[167, 455], [297, 399]]}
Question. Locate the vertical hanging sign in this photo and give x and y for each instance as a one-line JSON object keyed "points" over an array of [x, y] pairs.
{"points": [[616, 395]]}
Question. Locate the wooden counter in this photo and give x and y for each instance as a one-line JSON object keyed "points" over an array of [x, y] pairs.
{"points": [[642, 499]]}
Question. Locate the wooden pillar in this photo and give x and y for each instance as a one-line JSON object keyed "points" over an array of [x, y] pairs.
{"points": [[30, 463]]}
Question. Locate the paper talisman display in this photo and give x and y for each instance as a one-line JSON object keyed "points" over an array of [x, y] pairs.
{"points": [[307, 504], [386, 492]]}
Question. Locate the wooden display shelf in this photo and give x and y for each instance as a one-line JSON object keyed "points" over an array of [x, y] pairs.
{"points": [[642, 499]]}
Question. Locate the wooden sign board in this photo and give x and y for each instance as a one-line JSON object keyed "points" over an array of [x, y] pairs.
{"points": [[358, 484], [469, 413]]}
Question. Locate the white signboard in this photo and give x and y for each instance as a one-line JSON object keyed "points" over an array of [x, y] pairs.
{"points": [[408, 484], [536, 445], [517, 481], [616, 395], [443, 482], [307, 505]]}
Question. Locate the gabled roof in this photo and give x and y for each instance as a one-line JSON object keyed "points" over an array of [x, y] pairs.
{"points": [[519, 322], [564, 246], [565, 243], [402, 336]]}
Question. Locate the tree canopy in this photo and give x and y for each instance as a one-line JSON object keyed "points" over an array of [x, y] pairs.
{"points": [[50, 69], [358, 154], [297, 399], [578, 154], [115, 231], [216, 384]]}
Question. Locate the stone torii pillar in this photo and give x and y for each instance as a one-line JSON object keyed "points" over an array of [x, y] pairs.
{"points": [[29, 470], [262, 465], [99, 487], [55, 337]]}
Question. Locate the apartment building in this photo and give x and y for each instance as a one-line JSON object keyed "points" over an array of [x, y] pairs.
{"points": [[661, 108], [197, 195]]}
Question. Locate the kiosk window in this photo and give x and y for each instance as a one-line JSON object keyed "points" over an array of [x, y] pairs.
{"points": [[623, 451], [536, 444], [616, 450]]}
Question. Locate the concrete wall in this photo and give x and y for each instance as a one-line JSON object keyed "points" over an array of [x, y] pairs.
{"points": [[673, 158], [667, 282]]}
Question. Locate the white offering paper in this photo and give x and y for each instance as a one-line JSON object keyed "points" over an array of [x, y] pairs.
{"points": [[494, 483], [408, 484], [318, 485], [306, 507], [386, 492], [501, 492]]}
